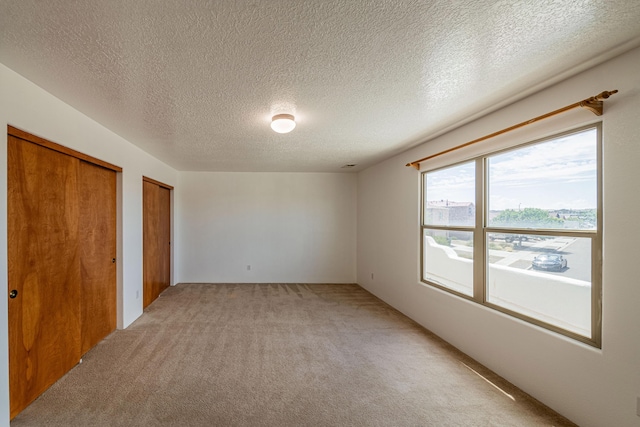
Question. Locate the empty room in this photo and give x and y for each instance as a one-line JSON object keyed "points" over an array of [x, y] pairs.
{"points": [[343, 213]]}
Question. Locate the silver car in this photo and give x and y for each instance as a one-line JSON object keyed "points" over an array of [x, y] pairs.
{"points": [[549, 262]]}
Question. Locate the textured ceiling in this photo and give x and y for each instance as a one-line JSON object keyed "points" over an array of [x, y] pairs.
{"points": [[195, 83]]}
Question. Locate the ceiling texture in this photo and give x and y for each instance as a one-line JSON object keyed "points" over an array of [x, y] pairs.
{"points": [[195, 83]]}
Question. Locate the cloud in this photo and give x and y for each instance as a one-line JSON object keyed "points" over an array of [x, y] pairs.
{"points": [[568, 159], [456, 183], [553, 174]]}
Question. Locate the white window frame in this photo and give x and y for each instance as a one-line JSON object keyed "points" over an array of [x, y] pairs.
{"points": [[481, 230]]}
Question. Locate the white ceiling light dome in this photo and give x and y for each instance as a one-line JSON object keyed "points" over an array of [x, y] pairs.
{"points": [[283, 123]]}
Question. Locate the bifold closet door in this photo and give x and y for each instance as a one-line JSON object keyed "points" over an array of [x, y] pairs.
{"points": [[44, 269], [156, 240]]}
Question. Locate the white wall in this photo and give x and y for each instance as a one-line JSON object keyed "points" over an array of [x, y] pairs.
{"points": [[26, 106], [289, 227], [590, 386], [555, 299]]}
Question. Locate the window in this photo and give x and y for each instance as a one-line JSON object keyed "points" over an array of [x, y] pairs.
{"points": [[449, 216], [520, 231]]}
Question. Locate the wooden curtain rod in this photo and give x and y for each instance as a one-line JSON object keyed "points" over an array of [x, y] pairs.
{"points": [[594, 104]]}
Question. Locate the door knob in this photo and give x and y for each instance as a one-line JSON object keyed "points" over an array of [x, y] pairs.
{"points": [[13, 293]]}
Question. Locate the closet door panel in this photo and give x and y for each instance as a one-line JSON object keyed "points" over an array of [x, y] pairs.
{"points": [[164, 237], [157, 239], [97, 190], [44, 269], [151, 250]]}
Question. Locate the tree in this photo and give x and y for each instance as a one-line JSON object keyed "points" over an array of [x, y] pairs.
{"points": [[527, 218]]}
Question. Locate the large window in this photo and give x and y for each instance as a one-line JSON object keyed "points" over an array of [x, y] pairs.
{"points": [[520, 231]]}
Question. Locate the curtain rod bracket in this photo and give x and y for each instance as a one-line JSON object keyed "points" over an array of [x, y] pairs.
{"points": [[595, 104]]}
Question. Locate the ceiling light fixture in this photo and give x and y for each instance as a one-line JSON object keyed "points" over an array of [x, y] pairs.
{"points": [[283, 123]]}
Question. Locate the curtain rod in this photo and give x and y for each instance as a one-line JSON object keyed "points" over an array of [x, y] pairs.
{"points": [[594, 104]]}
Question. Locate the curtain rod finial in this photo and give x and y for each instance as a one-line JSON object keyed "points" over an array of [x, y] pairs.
{"points": [[595, 104], [606, 94], [415, 165]]}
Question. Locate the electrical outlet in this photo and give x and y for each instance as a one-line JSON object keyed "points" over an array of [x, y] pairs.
{"points": [[248, 267], [137, 294], [371, 276]]}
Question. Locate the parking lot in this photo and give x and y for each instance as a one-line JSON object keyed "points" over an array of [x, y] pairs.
{"points": [[577, 251]]}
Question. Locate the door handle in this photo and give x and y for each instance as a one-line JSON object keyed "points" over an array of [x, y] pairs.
{"points": [[13, 293]]}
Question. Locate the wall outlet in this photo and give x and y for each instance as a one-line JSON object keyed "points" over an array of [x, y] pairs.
{"points": [[137, 294], [248, 267], [371, 276]]}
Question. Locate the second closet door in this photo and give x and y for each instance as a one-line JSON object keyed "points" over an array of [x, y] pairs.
{"points": [[156, 240]]}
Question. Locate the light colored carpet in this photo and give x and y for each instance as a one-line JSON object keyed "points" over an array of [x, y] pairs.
{"points": [[279, 355]]}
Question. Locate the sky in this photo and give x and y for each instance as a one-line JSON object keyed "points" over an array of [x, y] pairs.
{"points": [[556, 174]]}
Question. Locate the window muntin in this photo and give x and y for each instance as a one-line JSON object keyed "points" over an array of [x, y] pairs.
{"points": [[541, 198]]}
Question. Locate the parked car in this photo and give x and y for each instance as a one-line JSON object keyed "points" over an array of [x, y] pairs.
{"points": [[513, 237], [549, 262], [509, 238]]}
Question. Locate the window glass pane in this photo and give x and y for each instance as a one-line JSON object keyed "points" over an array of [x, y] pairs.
{"points": [[450, 196], [548, 185], [448, 259], [544, 277]]}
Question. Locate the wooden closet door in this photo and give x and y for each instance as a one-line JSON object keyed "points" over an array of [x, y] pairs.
{"points": [[156, 240], [151, 251], [44, 269], [97, 192], [164, 237]]}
